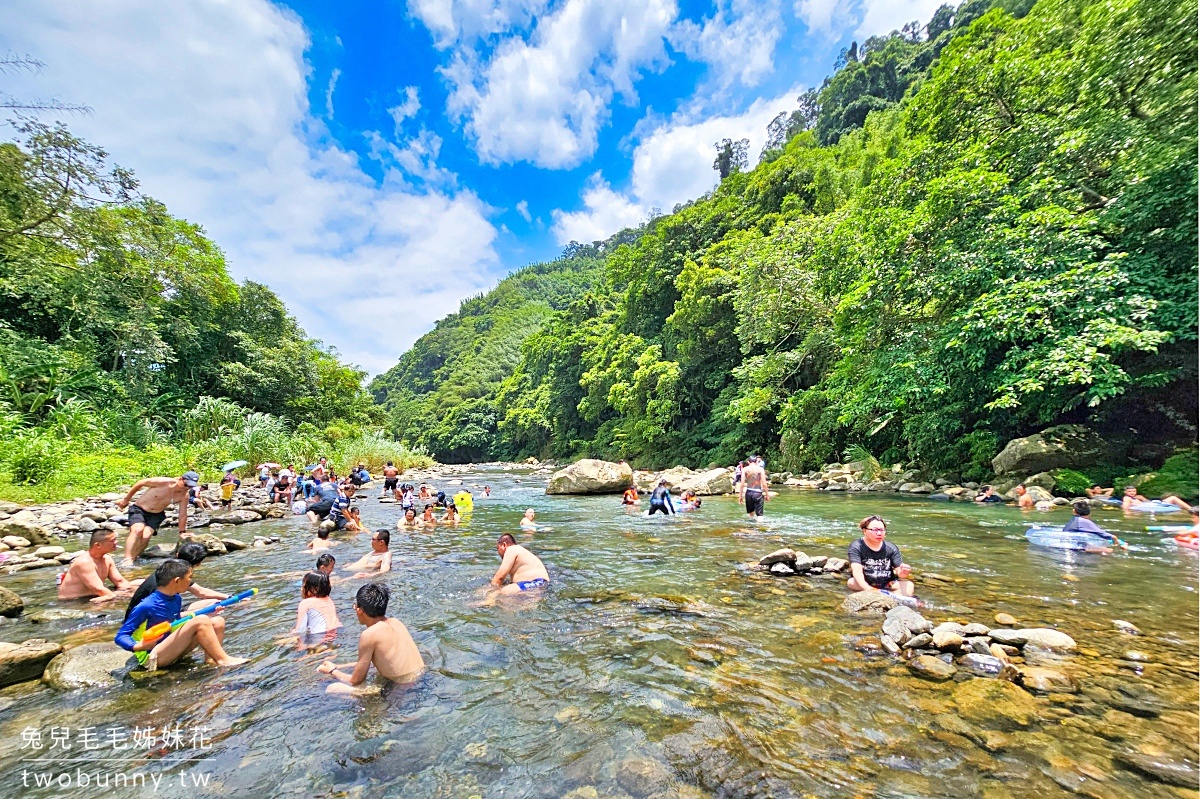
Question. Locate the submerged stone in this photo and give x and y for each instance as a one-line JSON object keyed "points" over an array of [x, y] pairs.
{"points": [[931, 668], [995, 703]]}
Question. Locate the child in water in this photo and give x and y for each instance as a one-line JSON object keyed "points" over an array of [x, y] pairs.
{"points": [[322, 540], [316, 613]]}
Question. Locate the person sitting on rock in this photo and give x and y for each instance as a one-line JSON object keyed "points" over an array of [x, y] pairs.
{"points": [[876, 564], [988, 495], [85, 577], [1024, 498], [194, 553], [1080, 523]]}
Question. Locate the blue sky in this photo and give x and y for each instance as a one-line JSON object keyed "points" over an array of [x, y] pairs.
{"points": [[377, 162]]}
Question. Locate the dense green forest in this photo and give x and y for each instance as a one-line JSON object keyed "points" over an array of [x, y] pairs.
{"points": [[972, 230], [126, 349]]}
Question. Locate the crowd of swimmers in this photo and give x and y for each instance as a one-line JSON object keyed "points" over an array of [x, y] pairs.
{"points": [[155, 601]]}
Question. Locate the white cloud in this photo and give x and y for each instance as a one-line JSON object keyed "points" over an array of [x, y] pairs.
{"points": [[452, 21], [672, 163], [523, 210], [407, 108], [211, 111], [333, 79], [881, 17], [823, 16], [605, 212], [543, 97], [737, 42]]}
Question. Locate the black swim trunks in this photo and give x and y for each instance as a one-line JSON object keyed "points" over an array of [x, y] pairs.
{"points": [[390, 483], [754, 501], [139, 515], [322, 508]]}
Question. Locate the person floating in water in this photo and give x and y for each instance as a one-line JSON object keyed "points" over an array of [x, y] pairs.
{"points": [[1096, 491], [386, 644], [527, 522], [1080, 523], [661, 501], [630, 497], [410, 520], [173, 577], [378, 561], [876, 564], [753, 488], [150, 510], [520, 570], [316, 613], [86, 576]]}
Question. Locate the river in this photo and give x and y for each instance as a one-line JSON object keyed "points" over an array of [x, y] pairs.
{"points": [[653, 666]]}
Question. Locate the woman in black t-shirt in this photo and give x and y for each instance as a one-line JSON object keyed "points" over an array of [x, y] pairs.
{"points": [[877, 564]]}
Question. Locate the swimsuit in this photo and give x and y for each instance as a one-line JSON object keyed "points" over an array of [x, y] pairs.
{"points": [[754, 501], [139, 515], [537, 582]]}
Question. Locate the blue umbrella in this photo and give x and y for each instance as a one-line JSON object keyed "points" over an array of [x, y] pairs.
{"points": [[229, 467]]}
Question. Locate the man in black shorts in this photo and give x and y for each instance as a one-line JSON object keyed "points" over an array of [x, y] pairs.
{"points": [[753, 488], [876, 564], [148, 513], [391, 480]]}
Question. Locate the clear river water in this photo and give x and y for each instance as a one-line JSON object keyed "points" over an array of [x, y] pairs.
{"points": [[655, 665]]}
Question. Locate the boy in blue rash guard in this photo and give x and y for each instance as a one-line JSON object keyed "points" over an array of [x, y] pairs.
{"points": [[660, 500], [173, 577]]}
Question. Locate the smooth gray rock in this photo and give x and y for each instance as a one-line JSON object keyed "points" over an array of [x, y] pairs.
{"points": [[25, 661], [931, 668], [87, 666]]}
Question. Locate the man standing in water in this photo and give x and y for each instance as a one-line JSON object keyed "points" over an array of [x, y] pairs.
{"points": [[523, 569], [391, 481], [753, 488], [150, 510]]}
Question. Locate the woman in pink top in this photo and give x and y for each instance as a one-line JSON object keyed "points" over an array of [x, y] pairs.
{"points": [[316, 614]]}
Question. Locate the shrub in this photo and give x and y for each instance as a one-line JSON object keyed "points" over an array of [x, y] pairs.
{"points": [[1179, 475], [1071, 483]]}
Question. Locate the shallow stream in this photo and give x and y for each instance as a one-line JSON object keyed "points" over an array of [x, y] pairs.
{"points": [[653, 666]]}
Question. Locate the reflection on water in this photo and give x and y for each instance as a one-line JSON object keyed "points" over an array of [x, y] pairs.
{"points": [[654, 666]]}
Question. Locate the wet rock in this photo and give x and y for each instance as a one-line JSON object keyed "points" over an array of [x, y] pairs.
{"points": [[642, 776], [949, 627], [1137, 702], [931, 668], [1060, 447], [1126, 627], [995, 703], [16, 542], [868, 603], [49, 552], [1136, 656], [975, 629], [1040, 637], [981, 665], [834, 565], [591, 477], [889, 644], [784, 555], [158, 551], [48, 615], [212, 545], [25, 661], [1178, 771], [11, 605], [903, 623], [87, 525], [1046, 681], [234, 545], [917, 641], [947, 640], [241, 516], [87, 666], [68, 526], [980, 645], [24, 527]]}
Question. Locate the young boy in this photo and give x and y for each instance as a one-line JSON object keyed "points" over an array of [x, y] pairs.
{"points": [[322, 540], [385, 643], [194, 554], [378, 561], [164, 604]]}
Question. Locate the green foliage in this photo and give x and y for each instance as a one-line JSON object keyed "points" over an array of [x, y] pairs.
{"points": [[1179, 475], [963, 237], [872, 468], [1070, 483]]}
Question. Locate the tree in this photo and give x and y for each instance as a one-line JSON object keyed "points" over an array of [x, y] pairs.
{"points": [[732, 156]]}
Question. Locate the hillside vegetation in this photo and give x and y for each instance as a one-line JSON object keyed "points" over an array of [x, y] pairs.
{"points": [[972, 231]]}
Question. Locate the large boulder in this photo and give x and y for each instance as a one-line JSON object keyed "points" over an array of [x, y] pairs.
{"points": [[712, 482], [212, 544], [1067, 446], [591, 477], [27, 661], [241, 516], [24, 525], [10, 604], [87, 666]]}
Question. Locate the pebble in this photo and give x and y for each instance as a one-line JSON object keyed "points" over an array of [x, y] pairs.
{"points": [[1136, 656], [931, 668], [1005, 620], [1126, 627], [1070, 578]]}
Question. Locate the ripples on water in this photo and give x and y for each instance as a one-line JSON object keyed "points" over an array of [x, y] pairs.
{"points": [[654, 665]]}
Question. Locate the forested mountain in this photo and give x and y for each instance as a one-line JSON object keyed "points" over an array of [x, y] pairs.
{"points": [[126, 347], [970, 232]]}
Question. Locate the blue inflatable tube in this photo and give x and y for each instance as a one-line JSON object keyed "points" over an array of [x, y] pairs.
{"points": [[1156, 506], [1057, 538]]}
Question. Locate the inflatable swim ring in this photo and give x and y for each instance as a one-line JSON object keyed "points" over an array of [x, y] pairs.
{"points": [[1188, 540], [1057, 538], [1156, 506], [463, 501]]}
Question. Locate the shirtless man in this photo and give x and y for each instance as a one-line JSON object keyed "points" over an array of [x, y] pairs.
{"points": [[148, 512], [85, 576], [527, 522], [391, 481], [386, 644], [379, 561], [523, 569], [1024, 498], [752, 491]]}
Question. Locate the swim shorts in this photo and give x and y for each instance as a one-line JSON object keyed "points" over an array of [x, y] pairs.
{"points": [[152, 520], [322, 508], [529, 585], [390, 483], [754, 501], [658, 507]]}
